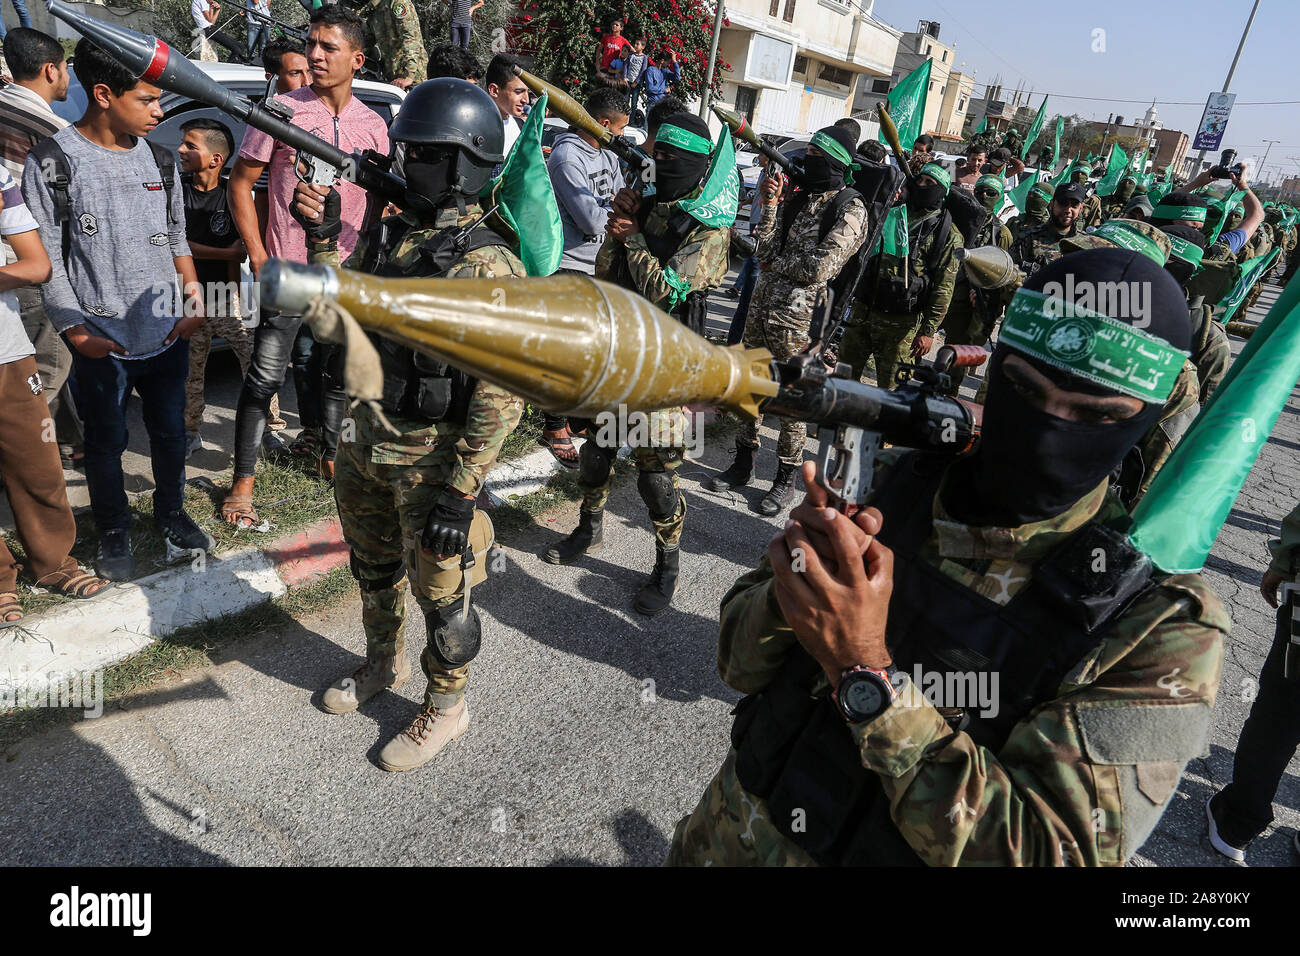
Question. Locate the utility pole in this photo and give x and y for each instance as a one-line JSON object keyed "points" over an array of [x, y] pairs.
{"points": [[713, 61], [1200, 158], [1264, 162]]}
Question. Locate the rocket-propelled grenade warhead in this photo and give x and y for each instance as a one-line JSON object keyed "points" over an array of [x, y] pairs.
{"points": [[151, 60], [739, 126], [989, 267], [570, 344]]}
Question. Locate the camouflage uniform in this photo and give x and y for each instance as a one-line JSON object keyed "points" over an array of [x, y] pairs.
{"points": [[1081, 780], [794, 276], [699, 264], [1211, 350], [1023, 223], [886, 337], [386, 485], [1090, 213], [395, 36], [1181, 408], [1035, 248], [232, 329], [1289, 242], [963, 325], [1260, 244]]}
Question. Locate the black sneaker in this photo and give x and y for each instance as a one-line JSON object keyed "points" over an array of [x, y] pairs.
{"points": [[113, 560], [1223, 836], [183, 537], [275, 448]]}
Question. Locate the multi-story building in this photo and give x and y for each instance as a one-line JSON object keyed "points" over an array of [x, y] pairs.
{"points": [[1166, 145], [793, 73]]}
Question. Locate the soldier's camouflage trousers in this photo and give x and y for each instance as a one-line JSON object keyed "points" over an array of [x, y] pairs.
{"points": [[783, 343], [232, 330], [1212, 354], [885, 337], [659, 447], [962, 326], [382, 510]]}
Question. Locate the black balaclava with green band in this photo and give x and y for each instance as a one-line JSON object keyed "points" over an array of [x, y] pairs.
{"points": [[835, 166], [1037, 202], [924, 199], [989, 191], [684, 140]]}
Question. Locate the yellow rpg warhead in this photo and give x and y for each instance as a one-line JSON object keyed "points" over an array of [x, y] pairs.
{"points": [[989, 267], [570, 344]]}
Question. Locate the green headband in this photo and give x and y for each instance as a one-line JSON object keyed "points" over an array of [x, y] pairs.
{"points": [[1189, 213], [1043, 189], [683, 139], [1124, 235], [938, 174], [835, 150], [1188, 252], [1092, 346], [993, 181]]}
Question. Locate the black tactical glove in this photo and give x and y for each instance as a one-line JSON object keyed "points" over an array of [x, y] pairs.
{"points": [[329, 225], [446, 531]]}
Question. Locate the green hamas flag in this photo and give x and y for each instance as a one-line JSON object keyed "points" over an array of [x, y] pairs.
{"points": [[526, 201], [1223, 207], [719, 196], [1065, 173], [1178, 520], [1115, 169], [893, 235], [1251, 271], [1020, 194], [907, 105], [1034, 129], [984, 124], [1056, 146]]}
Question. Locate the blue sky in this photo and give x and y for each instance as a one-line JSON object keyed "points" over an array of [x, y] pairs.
{"points": [[1176, 52]]}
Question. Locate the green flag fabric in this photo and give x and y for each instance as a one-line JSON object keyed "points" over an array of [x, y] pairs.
{"points": [[526, 201], [1159, 191], [984, 124], [1222, 207], [1177, 521], [1115, 169], [1020, 194], [716, 204], [893, 235], [907, 105], [1065, 172], [1056, 146], [1251, 271], [1034, 129]]}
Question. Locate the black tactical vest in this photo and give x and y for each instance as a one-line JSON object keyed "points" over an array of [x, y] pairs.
{"points": [[693, 311], [416, 385], [796, 751]]}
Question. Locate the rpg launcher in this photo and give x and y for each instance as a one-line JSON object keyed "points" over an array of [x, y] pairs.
{"points": [[577, 346], [151, 60], [571, 111], [296, 33]]}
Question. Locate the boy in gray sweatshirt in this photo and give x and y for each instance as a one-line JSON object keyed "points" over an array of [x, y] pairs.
{"points": [[585, 179], [115, 295]]}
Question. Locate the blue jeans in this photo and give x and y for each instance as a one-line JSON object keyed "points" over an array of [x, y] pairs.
{"points": [[105, 385], [23, 19], [460, 35], [256, 38], [745, 282]]}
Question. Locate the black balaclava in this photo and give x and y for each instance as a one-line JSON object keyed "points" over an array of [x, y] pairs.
{"points": [[1183, 271], [923, 199], [1124, 192], [681, 170], [1029, 465], [824, 173], [430, 180]]}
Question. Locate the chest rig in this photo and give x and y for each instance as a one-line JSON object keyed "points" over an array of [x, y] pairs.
{"points": [[797, 753]]}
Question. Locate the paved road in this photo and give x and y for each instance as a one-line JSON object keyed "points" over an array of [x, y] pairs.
{"points": [[594, 730]]}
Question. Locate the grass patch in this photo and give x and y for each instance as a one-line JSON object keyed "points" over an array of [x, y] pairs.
{"points": [[185, 649]]}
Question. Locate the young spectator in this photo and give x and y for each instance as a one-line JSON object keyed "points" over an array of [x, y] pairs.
{"points": [[462, 17], [634, 63], [204, 13], [258, 27], [40, 73], [585, 179], [510, 95], [206, 145], [114, 296], [659, 80], [447, 59], [29, 465], [284, 59], [611, 46], [328, 109]]}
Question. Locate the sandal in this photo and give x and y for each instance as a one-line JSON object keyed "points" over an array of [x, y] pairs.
{"points": [[307, 444], [76, 583], [562, 448], [238, 509], [9, 604]]}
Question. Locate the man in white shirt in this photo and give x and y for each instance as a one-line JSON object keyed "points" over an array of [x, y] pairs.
{"points": [[204, 14], [510, 95]]}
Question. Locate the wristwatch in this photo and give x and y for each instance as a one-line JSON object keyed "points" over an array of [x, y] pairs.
{"points": [[865, 693]]}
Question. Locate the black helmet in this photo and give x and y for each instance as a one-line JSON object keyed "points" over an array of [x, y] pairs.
{"points": [[453, 113]]}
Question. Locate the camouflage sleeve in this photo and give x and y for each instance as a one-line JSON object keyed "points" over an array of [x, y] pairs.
{"points": [[765, 233], [493, 412], [1004, 237], [1082, 780], [941, 290], [753, 637], [409, 59], [693, 268], [825, 261], [605, 256], [1284, 548]]}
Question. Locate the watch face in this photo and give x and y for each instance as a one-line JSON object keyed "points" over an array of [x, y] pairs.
{"points": [[864, 696]]}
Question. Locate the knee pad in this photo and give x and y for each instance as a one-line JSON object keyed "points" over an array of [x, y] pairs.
{"points": [[375, 577], [454, 637], [594, 464], [658, 493]]}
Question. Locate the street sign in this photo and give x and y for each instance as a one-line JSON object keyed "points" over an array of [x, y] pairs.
{"points": [[1218, 107]]}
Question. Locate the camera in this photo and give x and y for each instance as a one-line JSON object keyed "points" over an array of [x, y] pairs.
{"points": [[1226, 168]]}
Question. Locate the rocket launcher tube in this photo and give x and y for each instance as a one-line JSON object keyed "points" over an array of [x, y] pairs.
{"points": [[571, 111], [151, 60], [739, 127]]}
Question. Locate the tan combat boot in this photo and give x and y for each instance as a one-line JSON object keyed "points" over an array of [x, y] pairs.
{"points": [[419, 743], [348, 693]]}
